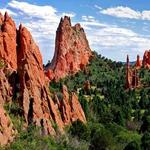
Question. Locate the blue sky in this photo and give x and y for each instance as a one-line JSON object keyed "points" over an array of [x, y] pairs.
{"points": [[114, 28]]}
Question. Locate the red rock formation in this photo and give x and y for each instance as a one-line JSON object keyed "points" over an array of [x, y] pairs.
{"points": [[5, 88], [70, 107], [7, 131], [146, 59], [33, 86], [132, 79], [38, 106], [72, 51], [36, 101], [138, 63], [76, 109], [8, 40]]}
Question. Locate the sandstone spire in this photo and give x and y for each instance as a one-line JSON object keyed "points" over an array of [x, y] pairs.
{"points": [[146, 59], [72, 51], [138, 63], [128, 74], [8, 40], [132, 79]]}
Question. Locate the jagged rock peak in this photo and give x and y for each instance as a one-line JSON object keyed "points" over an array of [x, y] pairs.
{"points": [[1, 18], [8, 43], [6, 16], [128, 61], [72, 51], [64, 22]]}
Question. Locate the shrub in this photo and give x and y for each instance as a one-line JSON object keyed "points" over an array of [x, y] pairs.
{"points": [[132, 146], [80, 130]]}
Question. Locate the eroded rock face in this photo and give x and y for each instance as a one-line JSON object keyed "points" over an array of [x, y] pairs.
{"points": [[146, 59], [5, 88], [76, 109], [8, 40], [38, 106], [72, 51], [8, 64], [7, 131], [70, 107]]}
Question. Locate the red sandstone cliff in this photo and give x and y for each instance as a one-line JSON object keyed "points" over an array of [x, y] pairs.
{"points": [[38, 106], [8, 63], [23, 69], [70, 107], [72, 51]]}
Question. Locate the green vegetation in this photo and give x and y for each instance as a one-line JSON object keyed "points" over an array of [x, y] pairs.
{"points": [[117, 119], [2, 64]]}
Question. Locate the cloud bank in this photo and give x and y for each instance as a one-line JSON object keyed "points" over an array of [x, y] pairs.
{"points": [[126, 12]]}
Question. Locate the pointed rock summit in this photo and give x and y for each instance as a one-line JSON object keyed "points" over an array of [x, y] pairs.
{"points": [[72, 51], [36, 102], [8, 40], [138, 64]]}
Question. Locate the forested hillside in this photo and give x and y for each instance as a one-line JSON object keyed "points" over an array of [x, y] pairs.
{"points": [[117, 118]]}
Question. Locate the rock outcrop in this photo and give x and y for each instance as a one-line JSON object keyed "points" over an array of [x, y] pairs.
{"points": [[8, 64], [8, 39], [21, 70], [132, 79], [37, 104], [7, 131], [146, 59], [72, 51], [70, 108], [138, 63]]}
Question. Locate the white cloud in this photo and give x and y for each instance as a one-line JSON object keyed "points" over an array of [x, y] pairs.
{"points": [[115, 42], [88, 18], [126, 12], [98, 7]]}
